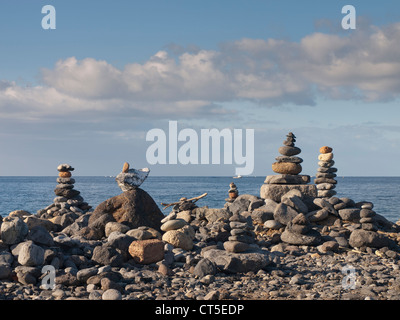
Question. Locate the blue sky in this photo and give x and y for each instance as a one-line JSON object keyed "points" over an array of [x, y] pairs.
{"points": [[88, 92]]}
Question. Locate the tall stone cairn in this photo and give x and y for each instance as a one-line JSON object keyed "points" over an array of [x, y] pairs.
{"points": [[288, 169], [326, 173]]}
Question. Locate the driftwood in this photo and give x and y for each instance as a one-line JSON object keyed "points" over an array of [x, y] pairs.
{"points": [[182, 200]]}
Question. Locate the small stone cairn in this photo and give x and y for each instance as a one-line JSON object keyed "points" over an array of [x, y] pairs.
{"points": [[233, 192], [241, 234], [326, 173], [67, 199]]}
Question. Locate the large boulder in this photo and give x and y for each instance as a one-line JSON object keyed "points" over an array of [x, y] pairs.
{"points": [[133, 208]]}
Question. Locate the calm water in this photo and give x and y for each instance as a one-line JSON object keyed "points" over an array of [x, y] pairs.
{"points": [[34, 193]]}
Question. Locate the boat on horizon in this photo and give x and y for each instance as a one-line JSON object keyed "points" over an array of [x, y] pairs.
{"points": [[237, 177]]}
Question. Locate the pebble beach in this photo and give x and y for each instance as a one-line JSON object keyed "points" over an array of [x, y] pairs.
{"points": [[294, 241]]}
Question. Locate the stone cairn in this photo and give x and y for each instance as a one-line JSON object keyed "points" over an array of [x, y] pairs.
{"points": [[67, 199], [325, 177], [241, 234], [288, 168], [288, 163], [233, 192]]}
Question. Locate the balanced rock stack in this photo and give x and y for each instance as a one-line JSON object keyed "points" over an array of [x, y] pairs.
{"points": [[233, 192], [288, 168], [241, 234], [67, 199], [288, 163], [325, 177]]}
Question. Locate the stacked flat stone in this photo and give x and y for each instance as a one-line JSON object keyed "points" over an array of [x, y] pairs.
{"points": [[288, 168], [241, 234], [326, 173], [67, 198], [367, 217]]}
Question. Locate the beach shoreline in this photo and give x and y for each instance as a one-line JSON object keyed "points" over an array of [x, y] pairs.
{"points": [[290, 272]]}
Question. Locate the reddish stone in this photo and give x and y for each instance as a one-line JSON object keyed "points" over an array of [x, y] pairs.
{"points": [[147, 251]]}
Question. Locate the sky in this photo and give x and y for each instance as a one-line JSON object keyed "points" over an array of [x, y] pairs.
{"points": [[89, 91]]}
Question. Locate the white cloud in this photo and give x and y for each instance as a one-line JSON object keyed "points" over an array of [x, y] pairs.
{"points": [[363, 65]]}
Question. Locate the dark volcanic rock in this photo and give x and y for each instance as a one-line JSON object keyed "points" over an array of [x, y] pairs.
{"points": [[360, 238], [133, 208]]}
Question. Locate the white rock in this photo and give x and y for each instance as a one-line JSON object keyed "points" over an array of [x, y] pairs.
{"points": [[132, 179], [111, 294], [173, 224]]}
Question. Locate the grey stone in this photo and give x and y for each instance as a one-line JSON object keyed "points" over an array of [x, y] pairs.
{"points": [[293, 200], [260, 216], [107, 255], [241, 203], [242, 238], [111, 294], [115, 226], [289, 151], [236, 246], [325, 180], [289, 159], [204, 267], [287, 179], [318, 215], [30, 254], [326, 186], [40, 236], [327, 170], [140, 234], [324, 204], [367, 213], [13, 230], [325, 175], [328, 246], [276, 191], [6, 258], [5, 271], [326, 193], [312, 238], [360, 238], [213, 214], [173, 224], [238, 262], [284, 214], [84, 274], [240, 225], [348, 202], [350, 214], [273, 224], [326, 164]]}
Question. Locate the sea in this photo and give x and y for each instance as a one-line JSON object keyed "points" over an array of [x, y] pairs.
{"points": [[33, 193]]}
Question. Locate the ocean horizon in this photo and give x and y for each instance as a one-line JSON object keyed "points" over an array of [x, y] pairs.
{"points": [[32, 193]]}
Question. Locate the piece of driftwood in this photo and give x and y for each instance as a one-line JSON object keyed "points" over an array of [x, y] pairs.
{"points": [[167, 205]]}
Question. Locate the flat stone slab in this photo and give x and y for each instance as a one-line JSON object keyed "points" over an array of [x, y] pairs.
{"points": [[287, 179], [238, 262], [276, 191]]}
